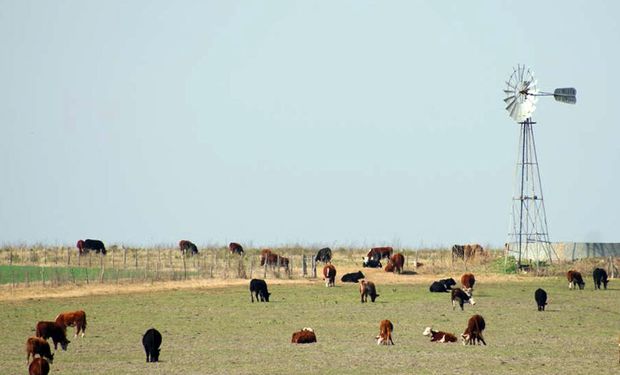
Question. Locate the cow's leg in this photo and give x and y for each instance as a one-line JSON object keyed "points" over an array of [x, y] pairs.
{"points": [[252, 296], [480, 338]]}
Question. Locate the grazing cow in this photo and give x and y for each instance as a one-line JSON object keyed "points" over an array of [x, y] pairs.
{"points": [[324, 255], [75, 319], [305, 336], [442, 286], [352, 277], [55, 331], [467, 251], [187, 247], [371, 263], [329, 275], [367, 288], [151, 340], [273, 260], [474, 329], [600, 276], [574, 277], [84, 246], [258, 287], [467, 281], [541, 299], [439, 336], [37, 345], [460, 297], [395, 264], [235, 248], [39, 366], [385, 333]]}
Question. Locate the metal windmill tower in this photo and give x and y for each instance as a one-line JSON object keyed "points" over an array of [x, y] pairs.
{"points": [[528, 237]]}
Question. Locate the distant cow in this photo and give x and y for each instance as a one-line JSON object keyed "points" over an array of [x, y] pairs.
{"points": [[75, 319], [39, 366], [258, 287], [473, 332], [274, 260], [574, 277], [378, 253], [324, 255], [352, 277], [600, 276], [439, 336], [151, 342], [305, 336], [263, 256], [467, 251], [84, 246], [442, 286], [187, 247], [37, 345], [467, 281], [460, 297], [385, 333], [371, 263], [541, 299], [329, 275], [235, 248], [367, 288], [395, 264], [57, 332]]}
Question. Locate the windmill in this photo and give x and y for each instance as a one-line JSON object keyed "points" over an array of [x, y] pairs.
{"points": [[528, 237]]}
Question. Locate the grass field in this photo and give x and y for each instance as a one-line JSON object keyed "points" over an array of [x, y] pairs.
{"points": [[218, 330]]}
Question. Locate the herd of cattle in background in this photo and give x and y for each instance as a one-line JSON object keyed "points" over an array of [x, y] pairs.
{"points": [[152, 339]]}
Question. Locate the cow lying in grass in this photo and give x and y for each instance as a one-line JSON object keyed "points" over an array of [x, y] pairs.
{"points": [[439, 336], [474, 329], [305, 336], [442, 286], [385, 333]]}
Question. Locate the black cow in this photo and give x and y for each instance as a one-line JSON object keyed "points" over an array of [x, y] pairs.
{"points": [[84, 246], [541, 299], [352, 277], [258, 287], [600, 276], [443, 285], [151, 342], [371, 263], [188, 247], [324, 255]]}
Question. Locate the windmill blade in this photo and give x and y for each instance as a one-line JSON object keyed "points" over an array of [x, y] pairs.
{"points": [[565, 95], [511, 97]]}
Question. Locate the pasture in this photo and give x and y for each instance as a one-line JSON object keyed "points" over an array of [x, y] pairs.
{"points": [[216, 330]]}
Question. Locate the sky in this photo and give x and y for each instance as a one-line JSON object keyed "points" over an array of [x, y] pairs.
{"points": [[320, 123]]}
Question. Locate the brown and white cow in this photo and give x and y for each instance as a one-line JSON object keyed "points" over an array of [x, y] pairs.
{"points": [[39, 366], [460, 297], [473, 332], [57, 332], [439, 336], [305, 336], [75, 319], [378, 253], [367, 288], [574, 277], [385, 333], [37, 345], [467, 281], [396, 263], [329, 275]]}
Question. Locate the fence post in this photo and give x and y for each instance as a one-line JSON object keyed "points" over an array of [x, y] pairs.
{"points": [[313, 267], [102, 266], [184, 267], [124, 258], [304, 266]]}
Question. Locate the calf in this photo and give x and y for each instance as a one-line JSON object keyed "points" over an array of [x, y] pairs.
{"points": [[55, 331], [541, 299], [305, 336], [442, 286], [439, 336], [37, 345], [395, 264], [467, 281], [367, 288], [460, 297], [385, 333], [324, 255], [371, 263], [352, 277], [151, 342], [39, 366], [75, 319], [473, 332], [574, 277], [258, 287], [329, 275], [600, 276]]}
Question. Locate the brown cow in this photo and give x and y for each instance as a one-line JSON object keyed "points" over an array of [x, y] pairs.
{"points": [[37, 345], [439, 336], [273, 259], [474, 329], [188, 247], [385, 333], [75, 319], [395, 264], [39, 366], [378, 253], [235, 248], [329, 275], [467, 281], [55, 331], [468, 251], [574, 277], [368, 288], [305, 336], [263, 256]]}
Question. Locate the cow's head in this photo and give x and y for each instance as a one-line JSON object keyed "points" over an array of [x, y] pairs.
{"points": [[468, 291], [80, 245], [465, 337], [471, 300], [265, 295], [50, 357], [308, 329], [427, 331], [64, 343], [582, 285], [155, 355]]}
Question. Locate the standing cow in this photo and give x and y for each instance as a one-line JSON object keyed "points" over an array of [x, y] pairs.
{"points": [[541, 299], [39, 366], [474, 329], [574, 277], [258, 287], [84, 246], [385, 333], [329, 275], [467, 281], [75, 319], [324, 255], [600, 276], [367, 288], [188, 247], [37, 345], [235, 248], [395, 264], [460, 297], [151, 340], [57, 332]]}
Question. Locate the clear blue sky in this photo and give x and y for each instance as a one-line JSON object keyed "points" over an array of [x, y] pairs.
{"points": [[313, 122]]}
